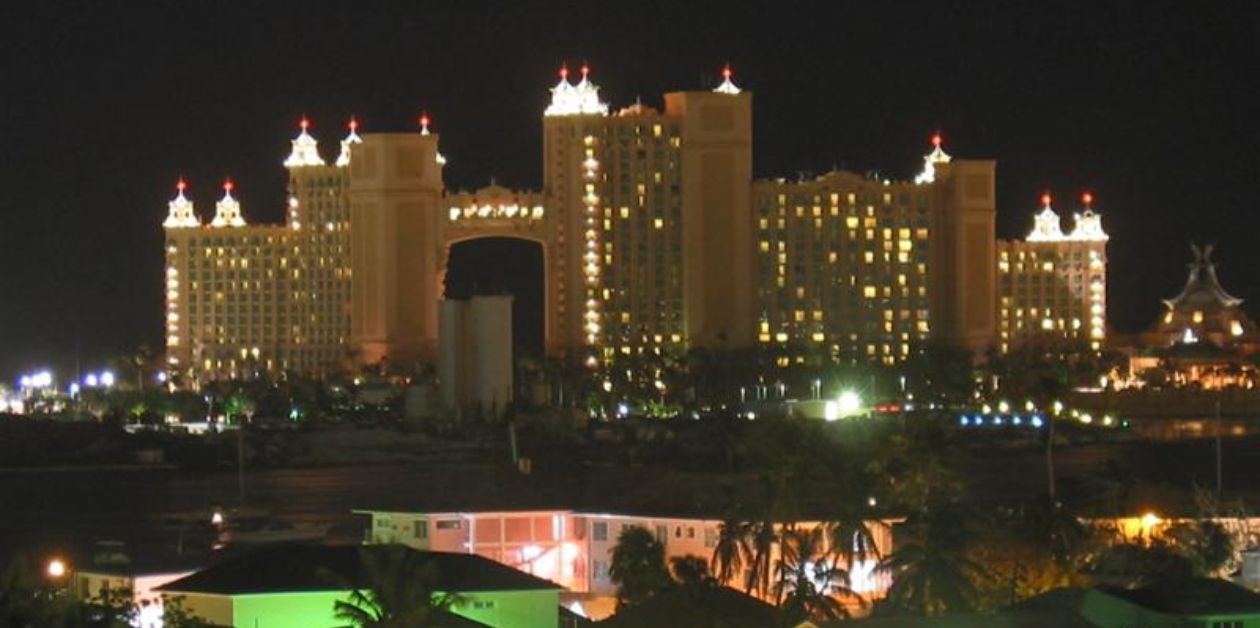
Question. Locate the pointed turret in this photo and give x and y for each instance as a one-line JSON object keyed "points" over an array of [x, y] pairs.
{"points": [[180, 213], [728, 86], [305, 150], [580, 99], [425, 121], [937, 156], [227, 212], [1046, 226], [1088, 227], [343, 159]]}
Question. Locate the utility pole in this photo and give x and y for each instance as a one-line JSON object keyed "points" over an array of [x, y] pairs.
{"points": [[1218, 445]]}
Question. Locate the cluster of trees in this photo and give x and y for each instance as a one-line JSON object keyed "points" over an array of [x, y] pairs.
{"points": [[951, 552]]}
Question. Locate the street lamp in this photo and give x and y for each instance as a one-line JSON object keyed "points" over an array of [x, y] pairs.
{"points": [[56, 568]]}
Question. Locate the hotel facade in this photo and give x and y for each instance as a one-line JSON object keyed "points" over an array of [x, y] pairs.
{"points": [[655, 238]]}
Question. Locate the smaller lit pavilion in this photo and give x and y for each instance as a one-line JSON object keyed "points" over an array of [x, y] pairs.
{"points": [[1204, 338], [1204, 311]]}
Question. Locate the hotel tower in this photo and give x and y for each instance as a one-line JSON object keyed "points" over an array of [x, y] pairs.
{"points": [[655, 238]]}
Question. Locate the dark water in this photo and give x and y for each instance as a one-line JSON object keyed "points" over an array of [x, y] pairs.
{"points": [[45, 511]]}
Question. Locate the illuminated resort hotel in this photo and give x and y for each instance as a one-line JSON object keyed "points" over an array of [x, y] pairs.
{"points": [[1054, 285], [655, 238]]}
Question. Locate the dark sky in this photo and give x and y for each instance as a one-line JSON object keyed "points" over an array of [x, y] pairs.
{"points": [[1151, 105]]}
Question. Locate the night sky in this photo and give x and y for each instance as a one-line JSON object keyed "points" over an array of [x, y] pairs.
{"points": [[1150, 105]]}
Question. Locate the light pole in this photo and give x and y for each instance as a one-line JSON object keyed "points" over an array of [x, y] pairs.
{"points": [[1218, 446]]}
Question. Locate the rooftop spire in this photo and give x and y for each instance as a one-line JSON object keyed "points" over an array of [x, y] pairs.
{"points": [[180, 210], [937, 156], [227, 212], [581, 99], [305, 151], [1088, 227], [425, 121], [1202, 290], [343, 159], [1046, 225], [728, 86]]}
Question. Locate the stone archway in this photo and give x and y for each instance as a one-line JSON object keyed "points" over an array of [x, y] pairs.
{"points": [[491, 265], [497, 212]]}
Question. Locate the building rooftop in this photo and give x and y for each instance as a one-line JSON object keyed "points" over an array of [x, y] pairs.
{"points": [[713, 606], [301, 567], [1195, 596]]}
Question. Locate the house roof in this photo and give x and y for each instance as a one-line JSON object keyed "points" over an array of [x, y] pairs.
{"points": [[303, 567], [1041, 618], [1067, 607], [447, 619], [1194, 596], [683, 607]]}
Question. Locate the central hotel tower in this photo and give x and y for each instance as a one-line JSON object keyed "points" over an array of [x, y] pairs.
{"points": [[655, 238]]}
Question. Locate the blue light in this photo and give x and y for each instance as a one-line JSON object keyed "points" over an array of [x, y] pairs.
{"points": [[962, 420], [997, 420], [979, 420], [1017, 420], [1036, 420]]}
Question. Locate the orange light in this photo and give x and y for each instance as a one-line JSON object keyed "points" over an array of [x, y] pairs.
{"points": [[228, 185], [354, 124], [1087, 198], [1045, 199], [564, 72], [937, 140], [424, 120], [305, 124], [180, 185], [726, 72], [586, 69]]}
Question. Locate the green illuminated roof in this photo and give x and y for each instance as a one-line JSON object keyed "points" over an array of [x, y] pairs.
{"points": [[301, 567]]}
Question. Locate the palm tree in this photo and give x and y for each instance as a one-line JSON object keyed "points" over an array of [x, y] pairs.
{"points": [[851, 533], [808, 583], [931, 568], [400, 591], [638, 565], [691, 572], [764, 536], [733, 549]]}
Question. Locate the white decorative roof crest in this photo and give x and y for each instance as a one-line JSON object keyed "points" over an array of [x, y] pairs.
{"points": [[580, 99], [728, 86], [937, 156], [305, 149], [343, 159], [1046, 226], [227, 212], [180, 213]]}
